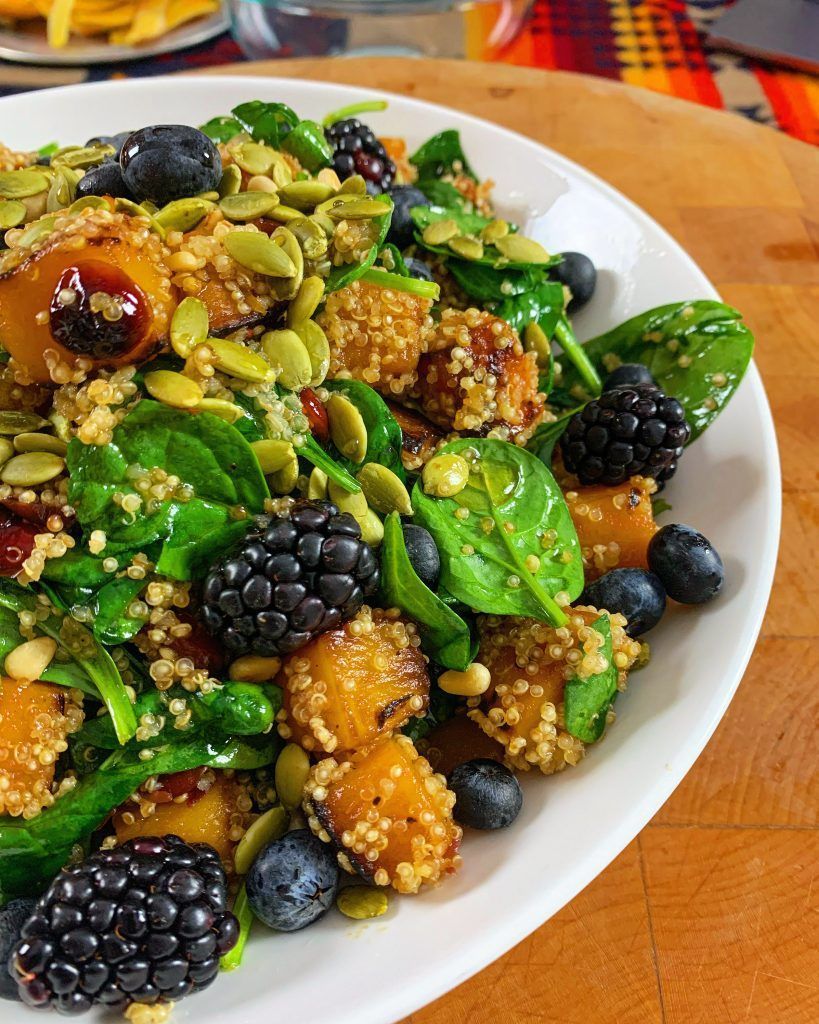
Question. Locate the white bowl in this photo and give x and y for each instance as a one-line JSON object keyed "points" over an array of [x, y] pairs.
{"points": [[575, 824]]}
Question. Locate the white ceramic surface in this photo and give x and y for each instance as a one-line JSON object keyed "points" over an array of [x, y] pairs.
{"points": [[573, 825]]}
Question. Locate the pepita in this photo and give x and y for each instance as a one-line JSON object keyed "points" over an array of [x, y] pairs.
{"points": [[519, 249], [61, 425], [359, 209], [318, 349], [231, 181], [322, 221], [189, 326], [285, 479], [209, 197], [271, 826], [317, 484], [37, 205], [246, 206], [174, 389], [12, 213], [372, 529], [7, 450], [22, 183], [13, 422], [82, 157], [440, 232], [135, 210], [311, 235], [88, 203], [273, 455], [230, 412], [494, 230], [306, 301], [362, 902], [38, 442], [255, 251], [290, 775], [284, 214], [383, 490], [31, 469], [238, 361], [305, 195], [280, 172], [30, 659], [341, 199], [355, 185], [253, 157], [287, 288], [36, 232], [469, 248], [329, 177], [347, 428], [535, 340], [348, 501], [289, 358], [261, 183], [184, 214], [445, 475]]}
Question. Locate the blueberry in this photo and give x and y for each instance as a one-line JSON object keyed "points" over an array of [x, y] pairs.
{"points": [[628, 373], [12, 918], [293, 881], [105, 180], [687, 563], [117, 141], [488, 796], [169, 161], [418, 269], [635, 593], [423, 554], [402, 228], [579, 275]]}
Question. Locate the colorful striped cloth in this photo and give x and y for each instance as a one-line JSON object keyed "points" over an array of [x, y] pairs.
{"points": [[656, 44]]}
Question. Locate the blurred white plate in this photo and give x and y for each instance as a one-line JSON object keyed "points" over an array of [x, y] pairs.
{"points": [[574, 824], [26, 43]]}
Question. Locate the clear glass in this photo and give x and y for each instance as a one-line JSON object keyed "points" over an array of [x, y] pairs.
{"points": [[476, 29]]}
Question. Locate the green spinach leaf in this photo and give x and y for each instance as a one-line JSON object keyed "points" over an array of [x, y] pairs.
{"points": [[511, 500], [543, 304], [442, 154], [112, 623], [62, 673], [446, 637], [486, 284], [384, 437], [542, 442], [442, 193], [345, 274], [587, 701]]}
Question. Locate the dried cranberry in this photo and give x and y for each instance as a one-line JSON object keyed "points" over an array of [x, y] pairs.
{"points": [[316, 415], [16, 542], [97, 310], [179, 784], [199, 646], [36, 512]]}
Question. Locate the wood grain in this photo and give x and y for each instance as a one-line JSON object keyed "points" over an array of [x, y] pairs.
{"points": [[711, 915]]}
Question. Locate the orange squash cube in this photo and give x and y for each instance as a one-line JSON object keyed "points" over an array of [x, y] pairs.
{"points": [[456, 741]]}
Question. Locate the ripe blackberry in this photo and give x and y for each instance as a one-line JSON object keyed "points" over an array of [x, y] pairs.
{"points": [[141, 923], [632, 429], [291, 578], [356, 150]]}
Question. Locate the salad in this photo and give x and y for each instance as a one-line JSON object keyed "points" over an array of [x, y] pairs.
{"points": [[319, 529]]}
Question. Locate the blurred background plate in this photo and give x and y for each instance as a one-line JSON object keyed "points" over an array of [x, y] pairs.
{"points": [[26, 43]]}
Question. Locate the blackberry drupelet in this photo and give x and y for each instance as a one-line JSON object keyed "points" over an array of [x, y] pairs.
{"points": [[356, 150], [630, 430], [143, 922], [291, 578]]}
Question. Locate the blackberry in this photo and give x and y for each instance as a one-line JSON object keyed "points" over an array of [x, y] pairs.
{"points": [[291, 578], [356, 150], [141, 923], [629, 430]]}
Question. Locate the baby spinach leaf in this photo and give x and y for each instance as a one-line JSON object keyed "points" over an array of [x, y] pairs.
{"points": [[542, 304], [486, 284], [511, 500], [446, 637], [542, 442], [391, 259], [587, 701], [266, 122], [312, 451], [442, 154], [222, 128], [80, 569], [112, 623], [660, 505], [442, 193], [709, 337], [345, 274], [384, 437], [62, 673]]}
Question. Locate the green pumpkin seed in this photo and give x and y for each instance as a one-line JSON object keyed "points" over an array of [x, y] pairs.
{"points": [[304, 195], [248, 205], [22, 183], [359, 209], [238, 361], [184, 214], [440, 232], [12, 213], [149, 207], [284, 214], [261, 183], [7, 450], [341, 199], [62, 427], [284, 480], [221, 407], [135, 210], [255, 251], [289, 357], [189, 326], [211, 196], [353, 502], [329, 177], [494, 230], [347, 428], [37, 442], [88, 203], [36, 232], [81, 157], [286, 289], [322, 221], [469, 248], [317, 485], [355, 185], [36, 206], [312, 237], [290, 774], [32, 469], [254, 157], [372, 529], [281, 173], [306, 301], [362, 903], [522, 250], [13, 422], [174, 389], [445, 475], [383, 490], [318, 349], [535, 340], [271, 826], [231, 181], [60, 195], [273, 455]]}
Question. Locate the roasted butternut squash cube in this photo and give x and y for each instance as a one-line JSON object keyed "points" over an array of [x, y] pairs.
{"points": [[614, 524], [387, 813], [35, 719], [530, 663], [420, 439], [355, 685]]}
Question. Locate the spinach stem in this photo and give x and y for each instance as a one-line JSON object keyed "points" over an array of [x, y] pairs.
{"points": [[384, 279], [577, 354], [244, 915], [365, 107]]}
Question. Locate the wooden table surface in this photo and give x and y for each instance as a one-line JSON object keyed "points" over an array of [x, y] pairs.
{"points": [[712, 914]]}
